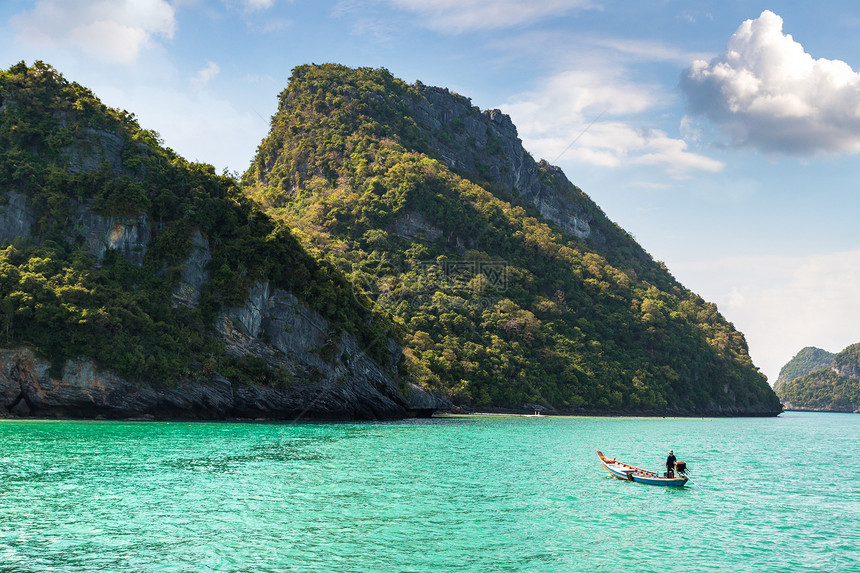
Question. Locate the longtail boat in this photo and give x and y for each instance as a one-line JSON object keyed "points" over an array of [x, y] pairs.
{"points": [[632, 473]]}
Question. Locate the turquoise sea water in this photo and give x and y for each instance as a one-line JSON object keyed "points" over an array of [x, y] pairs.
{"points": [[454, 494]]}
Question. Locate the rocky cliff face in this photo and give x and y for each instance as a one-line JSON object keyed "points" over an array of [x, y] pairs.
{"points": [[92, 148], [486, 144], [847, 362], [331, 376], [16, 218], [86, 391], [95, 233], [274, 326], [195, 272], [27, 389], [130, 236]]}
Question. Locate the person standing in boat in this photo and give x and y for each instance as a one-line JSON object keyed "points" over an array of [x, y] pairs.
{"points": [[670, 464]]}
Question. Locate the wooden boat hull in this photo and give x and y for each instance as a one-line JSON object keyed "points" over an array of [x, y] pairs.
{"points": [[627, 472]]}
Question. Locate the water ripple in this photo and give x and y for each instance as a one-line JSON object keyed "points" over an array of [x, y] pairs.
{"points": [[464, 494]]}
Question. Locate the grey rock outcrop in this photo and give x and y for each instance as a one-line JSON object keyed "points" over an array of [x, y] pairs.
{"points": [[91, 148], [16, 217], [848, 369], [195, 273], [486, 143], [413, 224], [96, 234], [423, 403], [332, 374], [83, 390]]}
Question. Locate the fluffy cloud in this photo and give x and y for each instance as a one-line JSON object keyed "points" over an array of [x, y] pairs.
{"points": [[457, 16], [560, 119], [767, 92], [109, 30]]}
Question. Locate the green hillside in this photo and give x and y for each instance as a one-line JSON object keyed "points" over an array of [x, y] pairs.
{"points": [[67, 163], [832, 388], [806, 361], [500, 302]]}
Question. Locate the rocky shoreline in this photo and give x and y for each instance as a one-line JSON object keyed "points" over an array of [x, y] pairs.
{"points": [[790, 408], [27, 389]]}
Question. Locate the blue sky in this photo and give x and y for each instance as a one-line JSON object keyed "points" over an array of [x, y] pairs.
{"points": [[723, 135]]}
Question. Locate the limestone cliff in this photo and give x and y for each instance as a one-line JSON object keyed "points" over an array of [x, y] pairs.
{"points": [[16, 219], [274, 326], [486, 145], [84, 390]]}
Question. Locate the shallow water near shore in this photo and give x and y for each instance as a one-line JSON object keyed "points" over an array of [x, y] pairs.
{"points": [[481, 493]]}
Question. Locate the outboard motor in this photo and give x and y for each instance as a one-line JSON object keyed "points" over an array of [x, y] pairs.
{"points": [[681, 467]]}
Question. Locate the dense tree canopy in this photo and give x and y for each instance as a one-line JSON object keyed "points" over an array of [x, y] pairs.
{"points": [[804, 362], [835, 386], [67, 153], [496, 305]]}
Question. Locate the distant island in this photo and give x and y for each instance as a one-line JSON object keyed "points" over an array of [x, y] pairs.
{"points": [[817, 380], [391, 251]]}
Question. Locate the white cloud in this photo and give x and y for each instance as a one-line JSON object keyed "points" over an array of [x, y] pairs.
{"points": [[205, 75], [249, 5], [252, 5], [642, 50], [109, 30], [671, 154], [369, 20], [689, 130], [458, 16], [767, 92], [783, 304], [558, 120], [694, 16]]}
